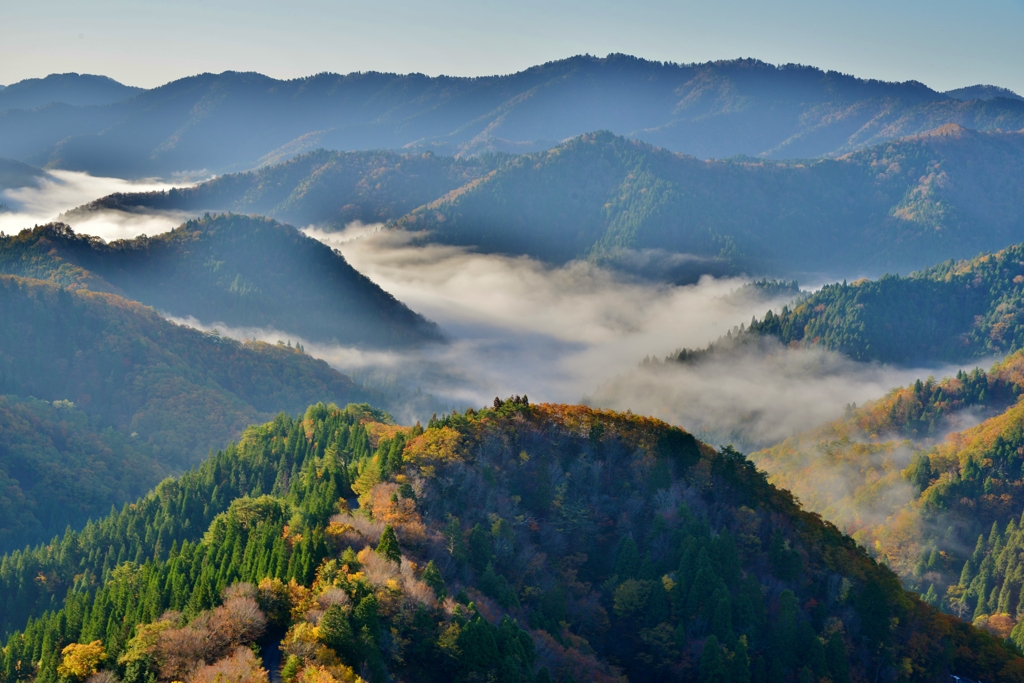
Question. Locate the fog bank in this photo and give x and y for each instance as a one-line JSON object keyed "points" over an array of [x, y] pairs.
{"points": [[60, 191]]}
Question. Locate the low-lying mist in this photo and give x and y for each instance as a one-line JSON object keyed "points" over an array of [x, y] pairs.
{"points": [[60, 191], [517, 326]]}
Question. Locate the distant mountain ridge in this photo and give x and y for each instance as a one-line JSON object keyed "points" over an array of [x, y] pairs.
{"points": [[236, 121], [948, 193], [80, 90], [983, 92]]}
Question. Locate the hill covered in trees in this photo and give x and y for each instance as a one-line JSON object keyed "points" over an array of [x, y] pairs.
{"points": [[922, 477], [243, 271], [236, 121], [956, 311], [58, 468], [909, 203], [127, 367], [515, 543]]}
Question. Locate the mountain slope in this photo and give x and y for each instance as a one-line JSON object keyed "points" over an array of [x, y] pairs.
{"points": [[916, 201], [243, 271], [956, 311], [234, 121], [318, 188], [124, 365], [642, 552], [81, 90], [910, 203], [59, 468], [922, 476]]}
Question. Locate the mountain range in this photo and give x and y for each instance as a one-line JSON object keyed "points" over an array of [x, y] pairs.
{"points": [[912, 202], [236, 121]]}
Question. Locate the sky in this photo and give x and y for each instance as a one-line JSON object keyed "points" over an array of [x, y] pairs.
{"points": [[942, 43]]}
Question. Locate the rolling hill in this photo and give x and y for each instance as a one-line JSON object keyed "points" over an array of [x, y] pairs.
{"points": [[515, 543], [922, 477], [243, 271], [125, 366], [59, 468], [237, 121], [956, 311]]}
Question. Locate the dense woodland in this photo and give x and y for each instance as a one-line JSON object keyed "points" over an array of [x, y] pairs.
{"points": [[59, 467], [956, 311], [903, 205], [124, 365], [918, 477], [516, 543], [243, 271]]}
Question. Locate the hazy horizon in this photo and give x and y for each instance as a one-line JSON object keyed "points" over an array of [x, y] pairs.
{"points": [[148, 45]]}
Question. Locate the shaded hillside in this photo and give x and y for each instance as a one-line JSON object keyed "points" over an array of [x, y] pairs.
{"points": [[59, 468], [236, 121], [244, 271], [923, 476], [319, 188], [641, 553], [951, 193], [956, 311], [71, 88], [15, 174], [125, 366]]}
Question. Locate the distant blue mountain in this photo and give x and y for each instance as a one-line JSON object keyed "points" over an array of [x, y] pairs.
{"points": [[73, 89], [983, 92], [236, 121]]}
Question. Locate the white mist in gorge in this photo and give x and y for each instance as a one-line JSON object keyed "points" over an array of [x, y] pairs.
{"points": [[56, 192], [578, 332]]}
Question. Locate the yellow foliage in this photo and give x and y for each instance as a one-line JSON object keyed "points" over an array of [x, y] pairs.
{"points": [[336, 674], [434, 446], [81, 661]]}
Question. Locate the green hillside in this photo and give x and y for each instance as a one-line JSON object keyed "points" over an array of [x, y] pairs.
{"points": [[317, 188], [959, 310], [127, 367], [244, 271], [950, 193], [516, 543], [58, 468]]}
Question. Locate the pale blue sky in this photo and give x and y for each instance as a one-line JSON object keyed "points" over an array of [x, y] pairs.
{"points": [[942, 43]]}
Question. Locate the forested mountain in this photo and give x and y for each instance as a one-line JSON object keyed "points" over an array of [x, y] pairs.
{"points": [[177, 391], [950, 193], [907, 204], [956, 311], [519, 543], [329, 189], [922, 476], [80, 90], [244, 271], [983, 92], [58, 468], [236, 121]]}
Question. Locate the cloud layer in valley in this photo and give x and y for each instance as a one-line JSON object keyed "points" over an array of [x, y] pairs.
{"points": [[60, 191]]}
